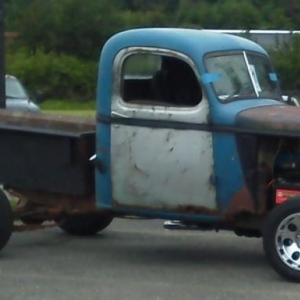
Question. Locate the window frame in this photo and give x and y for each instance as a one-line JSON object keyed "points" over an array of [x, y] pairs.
{"points": [[242, 53], [118, 78]]}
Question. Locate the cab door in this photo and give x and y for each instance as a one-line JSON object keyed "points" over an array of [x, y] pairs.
{"points": [[161, 148]]}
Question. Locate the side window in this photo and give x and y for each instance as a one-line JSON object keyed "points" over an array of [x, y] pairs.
{"points": [[152, 79]]}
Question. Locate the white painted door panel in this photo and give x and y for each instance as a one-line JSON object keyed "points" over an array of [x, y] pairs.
{"points": [[163, 169]]}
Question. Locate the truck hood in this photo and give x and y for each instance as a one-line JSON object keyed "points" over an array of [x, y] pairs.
{"points": [[279, 120]]}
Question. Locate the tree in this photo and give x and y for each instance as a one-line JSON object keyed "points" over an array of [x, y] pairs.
{"points": [[66, 26]]}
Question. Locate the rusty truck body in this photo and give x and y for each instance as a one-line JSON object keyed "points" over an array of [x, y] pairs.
{"points": [[190, 126]]}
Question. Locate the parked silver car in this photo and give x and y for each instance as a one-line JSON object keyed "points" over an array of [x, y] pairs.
{"points": [[17, 97]]}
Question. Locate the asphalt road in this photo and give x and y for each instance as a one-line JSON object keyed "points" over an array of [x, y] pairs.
{"points": [[138, 260]]}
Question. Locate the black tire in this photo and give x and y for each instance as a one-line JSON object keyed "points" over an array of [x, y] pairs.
{"points": [[281, 239], [6, 220], [84, 225]]}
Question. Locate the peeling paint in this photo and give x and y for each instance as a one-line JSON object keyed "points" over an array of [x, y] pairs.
{"points": [[140, 171], [169, 136]]}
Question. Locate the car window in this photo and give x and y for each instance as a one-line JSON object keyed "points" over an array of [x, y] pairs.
{"points": [[14, 89]]}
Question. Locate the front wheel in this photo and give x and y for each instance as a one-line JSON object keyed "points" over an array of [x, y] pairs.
{"points": [[6, 220], [84, 225], [281, 239]]}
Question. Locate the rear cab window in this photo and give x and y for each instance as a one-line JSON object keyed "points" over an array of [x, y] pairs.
{"points": [[159, 80]]}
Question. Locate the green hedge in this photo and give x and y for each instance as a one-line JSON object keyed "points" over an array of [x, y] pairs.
{"points": [[286, 60], [57, 76], [63, 105]]}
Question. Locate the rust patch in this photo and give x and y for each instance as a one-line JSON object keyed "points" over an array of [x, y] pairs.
{"points": [[49, 206], [182, 209], [276, 119], [241, 202], [198, 210]]}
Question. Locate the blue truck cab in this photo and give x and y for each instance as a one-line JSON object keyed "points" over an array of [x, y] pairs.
{"points": [[191, 126]]}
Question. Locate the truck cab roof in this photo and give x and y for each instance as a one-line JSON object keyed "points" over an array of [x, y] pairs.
{"points": [[195, 43]]}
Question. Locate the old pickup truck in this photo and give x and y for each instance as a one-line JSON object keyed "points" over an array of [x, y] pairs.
{"points": [[190, 126]]}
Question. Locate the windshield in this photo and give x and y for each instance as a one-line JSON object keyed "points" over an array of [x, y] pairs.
{"points": [[14, 89], [242, 76]]}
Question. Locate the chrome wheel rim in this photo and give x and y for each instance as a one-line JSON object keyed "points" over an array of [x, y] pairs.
{"points": [[287, 241]]}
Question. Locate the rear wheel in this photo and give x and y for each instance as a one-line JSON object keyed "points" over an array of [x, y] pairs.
{"points": [[281, 239], [84, 225], [6, 220]]}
